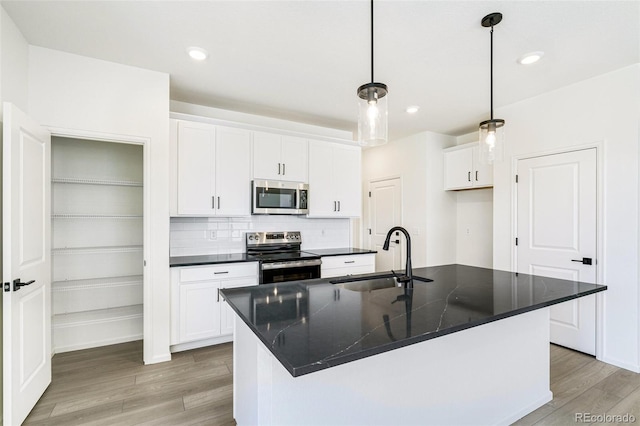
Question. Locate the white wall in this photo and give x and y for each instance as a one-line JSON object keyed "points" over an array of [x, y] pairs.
{"points": [[267, 123], [428, 212], [604, 108], [91, 96], [474, 227], [14, 62]]}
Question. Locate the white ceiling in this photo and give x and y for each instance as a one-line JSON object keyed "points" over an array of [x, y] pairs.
{"points": [[303, 60]]}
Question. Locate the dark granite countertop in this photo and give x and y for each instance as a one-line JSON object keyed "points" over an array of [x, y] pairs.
{"points": [[345, 251], [212, 259], [312, 325], [209, 259]]}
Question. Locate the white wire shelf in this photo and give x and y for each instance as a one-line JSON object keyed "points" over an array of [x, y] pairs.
{"points": [[95, 250], [97, 182], [96, 216], [92, 283]]}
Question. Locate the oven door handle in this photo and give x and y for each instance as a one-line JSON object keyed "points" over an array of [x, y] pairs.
{"points": [[290, 264]]}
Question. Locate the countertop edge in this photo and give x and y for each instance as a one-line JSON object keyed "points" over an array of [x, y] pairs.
{"points": [[338, 360]]}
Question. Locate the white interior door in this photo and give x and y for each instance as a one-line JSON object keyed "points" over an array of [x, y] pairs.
{"points": [[26, 258], [385, 212], [556, 230]]}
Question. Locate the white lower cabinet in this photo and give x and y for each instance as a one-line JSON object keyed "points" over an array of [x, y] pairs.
{"points": [[199, 315], [338, 266]]}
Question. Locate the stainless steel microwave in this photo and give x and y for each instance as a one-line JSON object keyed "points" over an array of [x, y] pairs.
{"points": [[279, 197]]}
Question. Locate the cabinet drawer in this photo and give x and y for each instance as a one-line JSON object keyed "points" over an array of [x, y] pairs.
{"points": [[215, 272], [341, 272], [330, 262]]}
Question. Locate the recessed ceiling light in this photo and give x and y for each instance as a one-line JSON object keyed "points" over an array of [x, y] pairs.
{"points": [[412, 109], [197, 53], [530, 58]]}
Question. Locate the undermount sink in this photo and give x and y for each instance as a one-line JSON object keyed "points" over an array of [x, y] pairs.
{"points": [[371, 282]]}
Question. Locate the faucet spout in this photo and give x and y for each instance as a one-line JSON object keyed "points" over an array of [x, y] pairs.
{"points": [[408, 277]]}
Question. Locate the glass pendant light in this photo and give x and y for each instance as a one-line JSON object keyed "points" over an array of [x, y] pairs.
{"points": [[491, 142], [372, 108]]}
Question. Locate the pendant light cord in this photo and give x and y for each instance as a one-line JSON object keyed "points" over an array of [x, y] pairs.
{"points": [[372, 41], [492, 72]]}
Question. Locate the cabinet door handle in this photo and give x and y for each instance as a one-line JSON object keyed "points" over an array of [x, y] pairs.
{"points": [[284, 170], [218, 203], [338, 205], [476, 175], [335, 206], [349, 261], [221, 272], [279, 165], [218, 295], [213, 202], [469, 176]]}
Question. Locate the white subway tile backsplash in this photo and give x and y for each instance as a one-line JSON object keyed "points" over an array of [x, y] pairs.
{"points": [[190, 236]]}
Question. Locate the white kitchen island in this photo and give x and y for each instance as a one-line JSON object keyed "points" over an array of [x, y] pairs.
{"points": [[471, 347]]}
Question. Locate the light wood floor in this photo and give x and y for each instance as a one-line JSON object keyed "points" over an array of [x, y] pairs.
{"points": [[110, 386]]}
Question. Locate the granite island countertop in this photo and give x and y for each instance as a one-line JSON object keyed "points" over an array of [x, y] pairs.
{"points": [[312, 325]]}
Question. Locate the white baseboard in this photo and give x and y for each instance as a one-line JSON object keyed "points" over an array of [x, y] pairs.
{"points": [[201, 343], [526, 410], [627, 366]]}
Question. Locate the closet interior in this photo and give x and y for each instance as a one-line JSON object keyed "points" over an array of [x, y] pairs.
{"points": [[97, 243]]}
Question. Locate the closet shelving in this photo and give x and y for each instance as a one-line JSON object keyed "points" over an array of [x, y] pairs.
{"points": [[97, 248]]}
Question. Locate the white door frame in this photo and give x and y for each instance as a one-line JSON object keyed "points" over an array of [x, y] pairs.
{"points": [[600, 216], [147, 295]]}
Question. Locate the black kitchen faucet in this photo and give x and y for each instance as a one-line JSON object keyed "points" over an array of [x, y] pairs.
{"points": [[406, 279]]}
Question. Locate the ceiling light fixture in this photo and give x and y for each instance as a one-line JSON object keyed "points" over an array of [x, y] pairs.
{"points": [[197, 53], [491, 141], [530, 58], [412, 109], [372, 107]]}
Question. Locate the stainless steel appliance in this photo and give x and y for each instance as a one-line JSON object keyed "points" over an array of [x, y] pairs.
{"points": [[279, 197], [280, 257]]}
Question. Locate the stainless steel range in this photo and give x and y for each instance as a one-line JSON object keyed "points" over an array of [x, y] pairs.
{"points": [[280, 257]]}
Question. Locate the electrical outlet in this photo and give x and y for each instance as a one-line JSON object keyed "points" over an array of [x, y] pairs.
{"points": [[212, 235]]}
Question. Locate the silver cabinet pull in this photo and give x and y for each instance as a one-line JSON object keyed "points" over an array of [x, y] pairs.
{"points": [[338, 205], [476, 175], [284, 170], [335, 206], [469, 176], [279, 168], [349, 261], [218, 203], [221, 272], [213, 202]]}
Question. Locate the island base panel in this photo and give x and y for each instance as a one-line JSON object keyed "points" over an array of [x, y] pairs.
{"points": [[490, 374]]}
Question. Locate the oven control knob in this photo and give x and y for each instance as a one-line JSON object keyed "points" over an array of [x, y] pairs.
{"points": [[251, 237]]}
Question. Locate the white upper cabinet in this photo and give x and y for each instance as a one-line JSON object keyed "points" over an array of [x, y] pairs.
{"points": [[233, 171], [213, 171], [279, 157], [334, 180], [463, 170]]}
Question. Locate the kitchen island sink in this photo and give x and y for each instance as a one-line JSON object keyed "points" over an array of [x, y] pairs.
{"points": [[376, 282], [371, 277]]}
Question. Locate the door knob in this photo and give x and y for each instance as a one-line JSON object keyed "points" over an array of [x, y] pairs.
{"points": [[584, 261], [17, 284]]}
